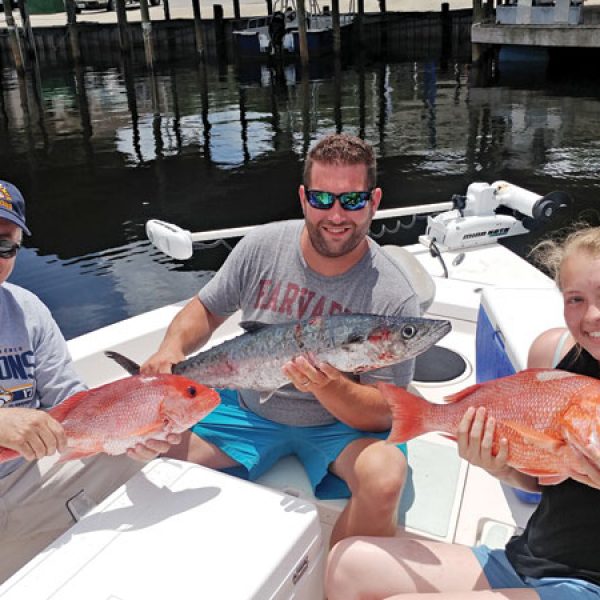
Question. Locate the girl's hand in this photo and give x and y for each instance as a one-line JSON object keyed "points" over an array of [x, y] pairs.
{"points": [[588, 471], [475, 438]]}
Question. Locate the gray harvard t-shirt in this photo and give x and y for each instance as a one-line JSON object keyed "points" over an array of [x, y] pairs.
{"points": [[267, 277]]}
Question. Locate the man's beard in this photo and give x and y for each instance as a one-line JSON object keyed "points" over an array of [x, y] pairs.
{"points": [[321, 245]]}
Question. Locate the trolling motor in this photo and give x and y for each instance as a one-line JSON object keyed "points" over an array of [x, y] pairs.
{"points": [[477, 218]]}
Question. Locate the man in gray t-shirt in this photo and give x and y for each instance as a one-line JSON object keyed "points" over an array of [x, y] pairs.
{"points": [[292, 270]]}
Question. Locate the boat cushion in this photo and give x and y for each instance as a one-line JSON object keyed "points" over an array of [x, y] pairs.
{"points": [[416, 273]]}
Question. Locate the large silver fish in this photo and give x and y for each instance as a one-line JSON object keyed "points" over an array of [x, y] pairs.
{"points": [[352, 343]]}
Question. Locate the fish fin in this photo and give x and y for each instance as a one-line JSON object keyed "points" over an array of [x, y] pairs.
{"points": [[74, 454], [551, 479], [544, 477], [129, 365], [352, 340], [60, 411], [536, 472], [266, 396], [533, 437], [253, 326], [7, 454], [407, 412], [462, 394], [587, 447], [580, 426]]}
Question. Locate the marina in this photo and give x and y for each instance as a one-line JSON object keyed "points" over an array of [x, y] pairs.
{"points": [[98, 146], [102, 146]]}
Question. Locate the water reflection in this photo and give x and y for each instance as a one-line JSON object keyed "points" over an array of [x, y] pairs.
{"points": [[99, 150]]}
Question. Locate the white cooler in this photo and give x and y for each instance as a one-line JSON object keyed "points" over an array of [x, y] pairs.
{"points": [[178, 530], [509, 320]]}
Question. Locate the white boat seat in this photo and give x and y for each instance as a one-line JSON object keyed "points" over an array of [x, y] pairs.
{"points": [[437, 364], [420, 279]]}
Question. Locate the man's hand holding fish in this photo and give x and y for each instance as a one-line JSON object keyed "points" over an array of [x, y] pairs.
{"points": [[336, 392]]}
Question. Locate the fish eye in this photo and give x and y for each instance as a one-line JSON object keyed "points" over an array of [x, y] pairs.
{"points": [[192, 391], [409, 331]]}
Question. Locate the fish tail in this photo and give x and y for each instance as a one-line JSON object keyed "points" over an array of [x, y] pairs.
{"points": [[129, 365], [408, 412]]}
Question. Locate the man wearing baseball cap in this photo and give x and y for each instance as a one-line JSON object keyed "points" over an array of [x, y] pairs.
{"points": [[12, 205], [39, 498]]}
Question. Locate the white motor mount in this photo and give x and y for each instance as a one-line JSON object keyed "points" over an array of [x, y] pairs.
{"points": [[475, 222]]}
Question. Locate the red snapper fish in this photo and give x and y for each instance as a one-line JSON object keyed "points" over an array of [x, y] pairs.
{"points": [[114, 417], [543, 413]]}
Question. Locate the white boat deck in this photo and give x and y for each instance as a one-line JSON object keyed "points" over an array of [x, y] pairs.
{"points": [[445, 499], [177, 530]]}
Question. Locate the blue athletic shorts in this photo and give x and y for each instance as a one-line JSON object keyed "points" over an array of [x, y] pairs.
{"points": [[501, 574], [257, 444]]}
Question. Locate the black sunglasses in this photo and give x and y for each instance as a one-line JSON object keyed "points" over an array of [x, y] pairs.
{"points": [[8, 249], [348, 200]]}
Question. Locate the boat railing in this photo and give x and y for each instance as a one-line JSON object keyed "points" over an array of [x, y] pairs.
{"points": [[388, 213]]}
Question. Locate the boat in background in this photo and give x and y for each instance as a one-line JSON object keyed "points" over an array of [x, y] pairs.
{"points": [[277, 34], [228, 538]]}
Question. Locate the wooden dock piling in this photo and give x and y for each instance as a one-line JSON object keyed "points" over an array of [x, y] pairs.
{"points": [[219, 30], [360, 21], [335, 22], [30, 50], [199, 34], [147, 34], [236, 10], [73, 31], [13, 34], [124, 37], [302, 32]]}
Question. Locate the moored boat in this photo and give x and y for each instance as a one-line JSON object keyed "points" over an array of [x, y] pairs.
{"points": [[277, 34]]}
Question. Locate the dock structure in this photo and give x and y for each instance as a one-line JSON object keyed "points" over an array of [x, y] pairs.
{"points": [[544, 24], [108, 35]]}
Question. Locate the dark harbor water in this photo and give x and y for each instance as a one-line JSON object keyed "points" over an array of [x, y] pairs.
{"points": [[101, 149]]}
